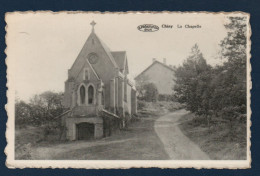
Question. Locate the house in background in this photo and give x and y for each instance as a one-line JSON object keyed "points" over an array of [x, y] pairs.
{"points": [[99, 96], [160, 74]]}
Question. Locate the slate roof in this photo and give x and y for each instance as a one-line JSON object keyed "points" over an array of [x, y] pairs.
{"points": [[107, 50], [120, 59]]}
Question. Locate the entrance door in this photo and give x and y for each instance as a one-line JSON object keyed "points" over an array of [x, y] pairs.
{"points": [[85, 131]]}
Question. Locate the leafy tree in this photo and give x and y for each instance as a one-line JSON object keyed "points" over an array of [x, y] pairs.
{"points": [[22, 112], [151, 92], [52, 102], [140, 85], [189, 80], [218, 91], [233, 50], [229, 83], [41, 109], [233, 47]]}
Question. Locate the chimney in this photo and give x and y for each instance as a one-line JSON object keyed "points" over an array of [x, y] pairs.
{"points": [[164, 61], [154, 59]]}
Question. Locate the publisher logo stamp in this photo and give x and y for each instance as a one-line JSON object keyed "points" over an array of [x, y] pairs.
{"points": [[148, 28]]}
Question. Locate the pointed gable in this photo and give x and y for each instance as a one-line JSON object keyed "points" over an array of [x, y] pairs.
{"points": [[92, 73], [106, 63]]}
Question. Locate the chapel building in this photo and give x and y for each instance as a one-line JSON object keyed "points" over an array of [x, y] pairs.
{"points": [[98, 94]]}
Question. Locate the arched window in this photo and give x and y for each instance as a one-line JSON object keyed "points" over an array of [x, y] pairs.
{"points": [[82, 94], [90, 94]]}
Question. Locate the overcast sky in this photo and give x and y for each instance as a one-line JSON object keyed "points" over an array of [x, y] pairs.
{"points": [[43, 46]]}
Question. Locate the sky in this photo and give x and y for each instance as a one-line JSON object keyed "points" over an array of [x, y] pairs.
{"points": [[41, 47]]}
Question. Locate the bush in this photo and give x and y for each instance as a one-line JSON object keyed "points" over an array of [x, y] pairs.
{"points": [[151, 92], [51, 132], [166, 97], [40, 110], [140, 104]]}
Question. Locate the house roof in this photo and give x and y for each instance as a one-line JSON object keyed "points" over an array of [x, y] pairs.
{"points": [[155, 62], [120, 59], [107, 50]]}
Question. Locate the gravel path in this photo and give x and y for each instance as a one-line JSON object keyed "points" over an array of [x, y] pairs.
{"points": [[176, 144]]}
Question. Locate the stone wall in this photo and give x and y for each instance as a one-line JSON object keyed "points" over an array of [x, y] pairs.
{"points": [[85, 110], [71, 122]]}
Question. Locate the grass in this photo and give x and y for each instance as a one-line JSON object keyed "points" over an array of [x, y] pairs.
{"points": [[28, 137], [138, 141], [218, 141]]}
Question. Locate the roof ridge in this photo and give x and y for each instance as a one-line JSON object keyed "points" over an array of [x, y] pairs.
{"points": [[164, 65]]}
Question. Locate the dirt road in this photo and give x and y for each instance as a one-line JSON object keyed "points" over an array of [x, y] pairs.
{"points": [[176, 144]]}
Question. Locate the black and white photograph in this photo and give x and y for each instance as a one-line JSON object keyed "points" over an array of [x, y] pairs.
{"points": [[129, 89]]}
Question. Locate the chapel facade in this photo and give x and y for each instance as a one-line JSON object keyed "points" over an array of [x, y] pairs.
{"points": [[98, 94]]}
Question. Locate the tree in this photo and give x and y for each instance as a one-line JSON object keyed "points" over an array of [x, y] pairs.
{"points": [[232, 75], [41, 108], [22, 112], [233, 46], [145, 89], [150, 92], [52, 102], [141, 81], [219, 91], [190, 80]]}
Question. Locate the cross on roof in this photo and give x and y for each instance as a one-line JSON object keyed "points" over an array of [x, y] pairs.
{"points": [[93, 24]]}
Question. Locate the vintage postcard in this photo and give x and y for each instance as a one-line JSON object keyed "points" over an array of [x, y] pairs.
{"points": [[128, 89]]}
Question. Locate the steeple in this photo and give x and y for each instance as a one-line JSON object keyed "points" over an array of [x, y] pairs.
{"points": [[93, 24]]}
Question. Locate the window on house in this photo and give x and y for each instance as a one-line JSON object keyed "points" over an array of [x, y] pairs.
{"points": [[90, 94], [86, 74], [82, 94]]}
